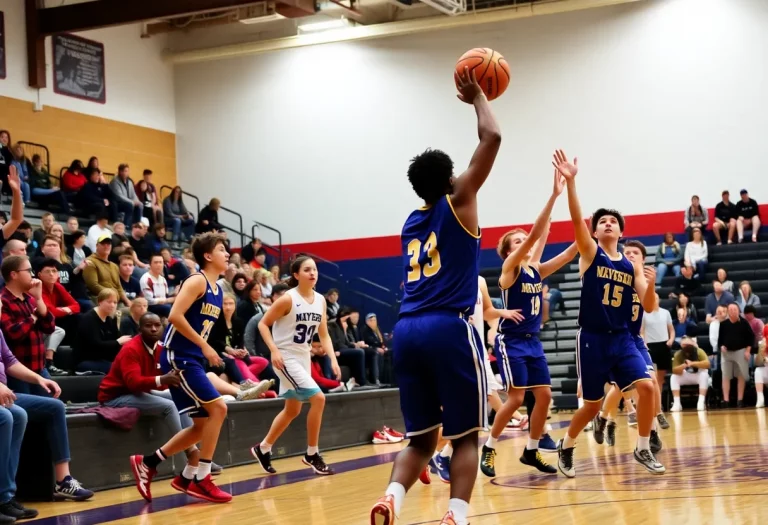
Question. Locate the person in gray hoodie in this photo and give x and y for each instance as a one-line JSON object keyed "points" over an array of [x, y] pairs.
{"points": [[128, 204]]}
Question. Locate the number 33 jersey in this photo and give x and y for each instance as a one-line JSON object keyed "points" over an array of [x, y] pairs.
{"points": [[294, 332]]}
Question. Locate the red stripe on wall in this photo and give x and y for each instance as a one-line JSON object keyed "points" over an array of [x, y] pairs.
{"points": [[562, 231]]}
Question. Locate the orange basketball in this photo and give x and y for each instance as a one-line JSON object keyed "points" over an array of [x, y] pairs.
{"points": [[491, 70]]}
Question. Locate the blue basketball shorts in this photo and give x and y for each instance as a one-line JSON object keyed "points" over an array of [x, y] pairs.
{"points": [[608, 357], [643, 349], [195, 390], [438, 362], [522, 363]]}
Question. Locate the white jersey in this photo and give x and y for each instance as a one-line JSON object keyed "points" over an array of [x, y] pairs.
{"points": [[477, 316], [294, 332]]}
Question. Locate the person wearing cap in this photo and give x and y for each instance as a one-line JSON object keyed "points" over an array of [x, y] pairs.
{"points": [[725, 218], [97, 230], [747, 216], [103, 273]]}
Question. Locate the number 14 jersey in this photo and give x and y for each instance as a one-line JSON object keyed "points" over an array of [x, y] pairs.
{"points": [[525, 294], [294, 332]]}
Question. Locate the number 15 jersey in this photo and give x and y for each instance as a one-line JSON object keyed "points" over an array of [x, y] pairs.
{"points": [[294, 332]]}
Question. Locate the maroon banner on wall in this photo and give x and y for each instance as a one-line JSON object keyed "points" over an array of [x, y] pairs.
{"points": [[79, 68], [2, 45]]}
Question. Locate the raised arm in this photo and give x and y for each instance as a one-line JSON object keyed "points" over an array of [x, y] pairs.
{"points": [[558, 261], [464, 198], [17, 204], [645, 279], [587, 246]]}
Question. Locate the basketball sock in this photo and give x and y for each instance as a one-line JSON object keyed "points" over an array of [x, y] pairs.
{"points": [[153, 460], [491, 443], [311, 451], [760, 398], [548, 428], [397, 491], [643, 443], [459, 508], [533, 444], [581, 402], [265, 447], [189, 472], [568, 441], [447, 451], [203, 470]]}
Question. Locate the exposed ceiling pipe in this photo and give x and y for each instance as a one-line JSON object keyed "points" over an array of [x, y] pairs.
{"points": [[404, 27]]}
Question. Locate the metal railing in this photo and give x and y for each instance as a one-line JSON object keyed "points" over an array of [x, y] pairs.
{"points": [[278, 249], [170, 190], [32, 148], [239, 231]]}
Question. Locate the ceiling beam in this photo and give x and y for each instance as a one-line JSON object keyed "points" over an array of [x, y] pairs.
{"points": [[35, 47], [106, 13]]}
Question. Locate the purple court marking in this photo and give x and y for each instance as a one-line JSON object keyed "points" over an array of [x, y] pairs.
{"points": [[136, 508]]}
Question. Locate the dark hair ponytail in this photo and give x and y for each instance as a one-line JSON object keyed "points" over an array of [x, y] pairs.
{"points": [[293, 282]]}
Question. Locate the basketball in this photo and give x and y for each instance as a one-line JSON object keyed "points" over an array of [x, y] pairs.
{"points": [[491, 70]]}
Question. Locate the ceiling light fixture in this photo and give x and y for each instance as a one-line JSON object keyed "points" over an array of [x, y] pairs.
{"points": [[337, 23]]}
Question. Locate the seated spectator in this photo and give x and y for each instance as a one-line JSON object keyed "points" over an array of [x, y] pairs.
{"points": [[43, 189], [685, 283], [154, 287], [46, 222], [236, 261], [14, 247], [73, 225], [130, 284], [259, 262], [18, 407], [147, 194], [722, 276], [746, 297], [129, 324], [141, 248], [175, 270], [190, 263], [275, 271], [118, 235], [182, 222], [263, 278], [77, 250], [725, 219], [684, 302], [717, 297], [99, 339], [318, 366], [747, 216], [25, 319], [255, 344], [250, 304], [22, 168], [98, 230], [209, 218], [735, 342], [156, 239], [69, 275], [375, 349], [129, 207], [65, 310], [553, 299], [757, 325], [683, 325], [347, 354], [239, 283], [332, 303], [714, 333], [73, 179], [6, 157], [669, 256], [93, 163], [57, 230], [689, 367], [102, 273], [696, 254], [225, 282], [250, 250], [24, 233], [695, 217], [96, 198]]}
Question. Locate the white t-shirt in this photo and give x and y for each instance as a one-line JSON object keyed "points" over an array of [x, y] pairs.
{"points": [[154, 289], [94, 232], [655, 325]]}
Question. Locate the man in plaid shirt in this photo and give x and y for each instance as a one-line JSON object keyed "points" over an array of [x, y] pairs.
{"points": [[25, 318]]}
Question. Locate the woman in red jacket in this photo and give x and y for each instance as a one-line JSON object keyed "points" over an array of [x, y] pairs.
{"points": [[73, 179]]}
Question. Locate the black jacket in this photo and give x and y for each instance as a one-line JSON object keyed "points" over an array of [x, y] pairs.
{"points": [[207, 214], [97, 340], [92, 195], [725, 212], [371, 339], [246, 309], [338, 337], [222, 337]]}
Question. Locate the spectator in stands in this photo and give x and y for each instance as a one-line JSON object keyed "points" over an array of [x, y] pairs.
{"points": [[725, 219], [236, 260], [156, 239], [57, 230], [318, 365], [255, 344], [372, 357], [757, 325], [722, 276], [141, 248], [93, 163], [99, 339], [761, 372], [250, 304], [225, 283], [73, 179], [154, 287], [263, 277], [717, 297], [65, 310], [332, 302], [668, 256], [182, 222], [253, 249], [553, 298], [175, 269], [747, 216], [102, 273], [746, 297], [209, 218], [147, 193], [18, 407], [684, 302], [6, 157], [129, 324], [696, 254], [14, 247], [42, 188], [130, 284], [683, 325], [347, 354], [96, 198], [46, 222], [24, 233], [659, 334], [375, 348], [98, 230], [714, 333], [77, 250], [25, 318], [22, 168], [129, 207], [239, 282], [685, 283], [73, 225], [69, 275], [735, 342], [689, 367], [275, 271]]}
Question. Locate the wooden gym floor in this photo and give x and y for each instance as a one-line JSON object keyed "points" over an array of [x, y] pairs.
{"points": [[715, 474]]}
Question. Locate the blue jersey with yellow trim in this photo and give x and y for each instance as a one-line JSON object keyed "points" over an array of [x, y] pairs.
{"points": [[440, 260], [636, 321], [524, 294], [607, 287], [201, 316]]}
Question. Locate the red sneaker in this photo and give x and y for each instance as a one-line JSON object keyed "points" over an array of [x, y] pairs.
{"points": [[181, 483], [383, 513], [448, 519], [393, 433], [379, 438], [143, 476], [424, 477], [207, 490]]}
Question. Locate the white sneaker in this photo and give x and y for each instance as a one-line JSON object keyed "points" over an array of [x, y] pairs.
{"points": [[700, 406], [677, 408], [760, 404], [351, 383]]}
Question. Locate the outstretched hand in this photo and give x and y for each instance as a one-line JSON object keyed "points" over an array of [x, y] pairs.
{"points": [[559, 184], [566, 168], [13, 179], [467, 85]]}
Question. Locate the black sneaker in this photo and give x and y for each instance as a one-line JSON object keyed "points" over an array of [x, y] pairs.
{"points": [[56, 371], [16, 510], [655, 442], [488, 461], [533, 458], [265, 460], [610, 434], [565, 460], [216, 469], [598, 428], [663, 423], [740, 404], [318, 465], [646, 459], [6, 519]]}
